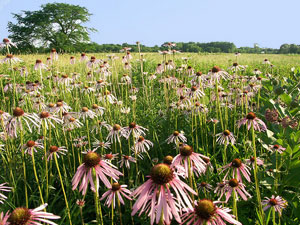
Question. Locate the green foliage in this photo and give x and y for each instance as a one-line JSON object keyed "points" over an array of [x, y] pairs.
{"points": [[55, 25]]}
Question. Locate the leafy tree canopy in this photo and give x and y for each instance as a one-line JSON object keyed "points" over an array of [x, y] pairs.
{"points": [[55, 25]]}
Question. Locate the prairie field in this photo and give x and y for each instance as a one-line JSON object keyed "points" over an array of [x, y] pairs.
{"points": [[165, 138]]}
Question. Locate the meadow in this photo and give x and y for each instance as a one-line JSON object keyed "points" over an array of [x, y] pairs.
{"points": [[165, 138]]}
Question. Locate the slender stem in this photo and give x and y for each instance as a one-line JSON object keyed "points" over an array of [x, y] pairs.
{"points": [[255, 175], [62, 187]]}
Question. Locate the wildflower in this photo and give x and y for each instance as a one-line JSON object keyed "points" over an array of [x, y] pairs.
{"points": [[61, 107], [237, 168], [32, 146], [114, 134], [176, 137], [14, 122], [7, 43], [80, 203], [187, 155], [40, 65], [266, 61], [142, 145], [93, 162], [23, 215], [54, 149], [133, 128], [217, 73], [53, 54], [83, 57], [4, 218], [252, 120], [10, 59], [236, 67], [109, 157], [277, 202], [225, 137], [46, 118], [220, 188], [238, 188], [278, 148], [5, 188], [116, 189], [251, 161], [72, 60], [100, 144], [205, 186], [156, 198], [125, 160], [207, 212], [86, 113], [72, 123], [125, 110]]}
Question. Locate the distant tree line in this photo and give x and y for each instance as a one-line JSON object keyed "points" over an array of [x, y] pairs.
{"points": [[61, 26], [196, 47]]}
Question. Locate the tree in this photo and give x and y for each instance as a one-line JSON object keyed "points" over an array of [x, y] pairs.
{"points": [[55, 25]]}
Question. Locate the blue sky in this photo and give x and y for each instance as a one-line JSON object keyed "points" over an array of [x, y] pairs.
{"points": [[269, 23]]}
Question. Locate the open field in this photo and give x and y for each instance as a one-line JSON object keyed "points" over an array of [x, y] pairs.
{"points": [[178, 129]]}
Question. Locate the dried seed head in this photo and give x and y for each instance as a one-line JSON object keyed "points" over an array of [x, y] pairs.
{"points": [[115, 187], [186, 150], [205, 209], [20, 216], [44, 115], [132, 125], [251, 116], [233, 183], [84, 109], [18, 112], [53, 148], [226, 132], [168, 159], [30, 144], [161, 174], [116, 127], [236, 163], [215, 69], [91, 159]]}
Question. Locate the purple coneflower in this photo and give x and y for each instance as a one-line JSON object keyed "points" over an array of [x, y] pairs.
{"points": [[250, 120], [251, 161], [225, 137], [14, 123], [4, 218], [86, 113], [238, 188], [176, 137], [7, 43], [125, 160], [114, 133], [92, 161], [276, 148], [155, 195], [187, 154], [277, 202], [40, 65], [207, 212], [142, 145], [23, 215], [116, 189], [32, 146], [10, 59], [133, 128], [57, 150], [237, 168], [5, 188]]}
